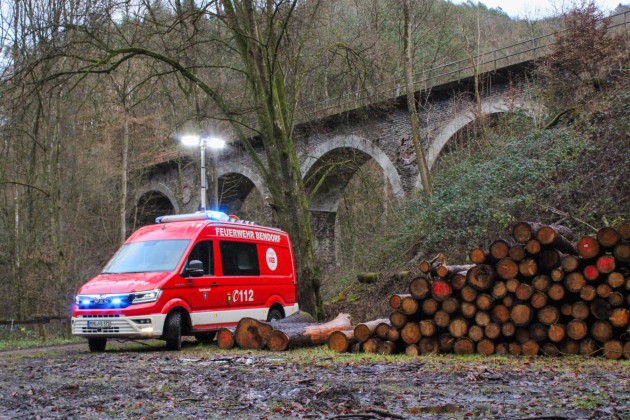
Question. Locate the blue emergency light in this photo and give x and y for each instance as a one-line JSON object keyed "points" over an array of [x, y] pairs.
{"points": [[200, 215]]}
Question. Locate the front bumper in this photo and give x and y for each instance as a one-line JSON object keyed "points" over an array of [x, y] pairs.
{"points": [[118, 326]]}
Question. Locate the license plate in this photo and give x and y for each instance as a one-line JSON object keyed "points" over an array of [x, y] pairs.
{"points": [[99, 324]]}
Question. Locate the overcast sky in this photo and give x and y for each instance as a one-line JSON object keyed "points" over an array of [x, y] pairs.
{"points": [[541, 8]]}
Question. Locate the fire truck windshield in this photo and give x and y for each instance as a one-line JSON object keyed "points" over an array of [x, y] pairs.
{"points": [[147, 256]]}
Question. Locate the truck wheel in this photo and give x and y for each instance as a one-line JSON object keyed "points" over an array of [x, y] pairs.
{"points": [[274, 314], [97, 344], [173, 331], [205, 337]]}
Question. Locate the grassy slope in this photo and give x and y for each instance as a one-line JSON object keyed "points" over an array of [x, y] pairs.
{"points": [[575, 173]]}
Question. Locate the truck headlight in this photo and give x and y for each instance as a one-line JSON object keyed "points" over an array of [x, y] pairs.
{"points": [[145, 297]]}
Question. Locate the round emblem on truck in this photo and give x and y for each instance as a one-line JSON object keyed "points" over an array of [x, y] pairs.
{"points": [[272, 259]]}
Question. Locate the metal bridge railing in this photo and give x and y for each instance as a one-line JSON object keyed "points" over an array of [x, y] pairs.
{"points": [[518, 53]]}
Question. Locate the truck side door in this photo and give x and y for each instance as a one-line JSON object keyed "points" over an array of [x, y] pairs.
{"points": [[240, 275], [200, 288]]}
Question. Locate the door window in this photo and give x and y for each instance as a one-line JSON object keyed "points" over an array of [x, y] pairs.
{"points": [[239, 259], [203, 252]]}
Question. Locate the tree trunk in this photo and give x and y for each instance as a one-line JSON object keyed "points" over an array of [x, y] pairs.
{"points": [[398, 319], [423, 168], [428, 345], [363, 331], [528, 267], [577, 329], [464, 345], [541, 283], [507, 268], [430, 306], [517, 252], [521, 314], [371, 345], [382, 329], [124, 172], [550, 236], [613, 349], [602, 331], [588, 247], [410, 333], [481, 277], [225, 338], [458, 327], [251, 334], [446, 271], [419, 288], [608, 237], [386, 347], [475, 333], [275, 126], [427, 328], [441, 290], [367, 278], [450, 305], [395, 300], [492, 330], [557, 332], [485, 347], [477, 256], [409, 305], [569, 263], [499, 249], [287, 336]]}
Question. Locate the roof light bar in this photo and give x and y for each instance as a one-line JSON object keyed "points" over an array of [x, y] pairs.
{"points": [[200, 215]]}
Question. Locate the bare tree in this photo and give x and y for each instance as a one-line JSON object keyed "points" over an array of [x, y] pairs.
{"points": [[423, 167], [268, 63]]}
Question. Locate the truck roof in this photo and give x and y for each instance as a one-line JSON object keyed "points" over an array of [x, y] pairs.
{"points": [[190, 226]]}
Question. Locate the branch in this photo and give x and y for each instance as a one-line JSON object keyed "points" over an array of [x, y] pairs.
{"points": [[26, 185]]}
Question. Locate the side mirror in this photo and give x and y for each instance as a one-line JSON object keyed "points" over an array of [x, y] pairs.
{"points": [[194, 268]]}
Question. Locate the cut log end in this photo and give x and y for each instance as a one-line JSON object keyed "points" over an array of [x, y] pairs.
{"points": [[481, 276], [419, 288], [608, 237], [477, 256], [588, 247], [523, 232], [250, 334], [277, 341], [225, 338], [341, 341]]}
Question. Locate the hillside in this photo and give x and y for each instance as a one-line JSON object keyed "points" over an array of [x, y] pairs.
{"points": [[575, 173]]}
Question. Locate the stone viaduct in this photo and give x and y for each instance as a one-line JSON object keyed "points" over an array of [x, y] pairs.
{"points": [[378, 132]]}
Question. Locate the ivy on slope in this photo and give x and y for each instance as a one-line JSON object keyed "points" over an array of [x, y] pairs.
{"points": [[476, 197]]}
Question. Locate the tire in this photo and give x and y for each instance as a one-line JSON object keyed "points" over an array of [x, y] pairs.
{"points": [[97, 345], [205, 337], [173, 331], [274, 314]]}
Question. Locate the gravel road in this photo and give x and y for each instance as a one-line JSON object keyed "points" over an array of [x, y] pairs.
{"points": [[139, 381]]}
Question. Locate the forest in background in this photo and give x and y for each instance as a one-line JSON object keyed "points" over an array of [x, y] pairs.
{"points": [[67, 144]]}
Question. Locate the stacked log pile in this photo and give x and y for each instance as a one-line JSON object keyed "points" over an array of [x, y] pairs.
{"points": [[538, 292]]}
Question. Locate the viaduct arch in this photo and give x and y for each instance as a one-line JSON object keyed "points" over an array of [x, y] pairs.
{"points": [[331, 151]]}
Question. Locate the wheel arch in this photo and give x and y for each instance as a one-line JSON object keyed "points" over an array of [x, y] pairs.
{"points": [[279, 307], [184, 310]]}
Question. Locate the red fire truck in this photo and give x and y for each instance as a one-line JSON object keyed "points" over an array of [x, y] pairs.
{"points": [[188, 274]]}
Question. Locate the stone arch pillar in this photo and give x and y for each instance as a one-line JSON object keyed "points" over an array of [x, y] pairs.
{"points": [[150, 203], [326, 193]]}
